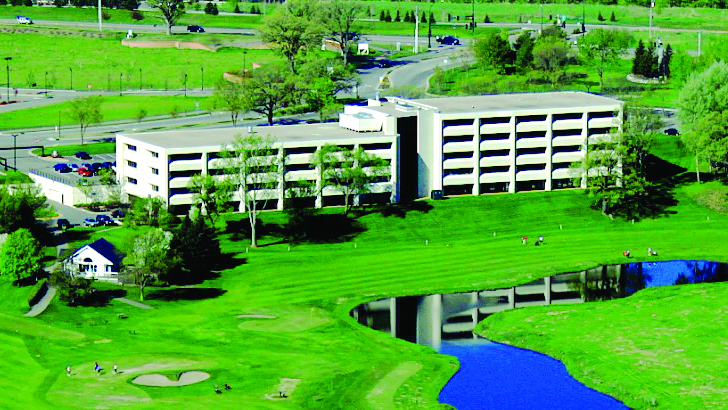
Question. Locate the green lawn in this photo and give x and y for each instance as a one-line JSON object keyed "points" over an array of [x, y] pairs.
{"points": [[458, 244], [70, 150], [112, 108], [44, 59]]}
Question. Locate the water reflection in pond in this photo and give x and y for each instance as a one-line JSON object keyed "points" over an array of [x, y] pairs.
{"points": [[504, 377]]}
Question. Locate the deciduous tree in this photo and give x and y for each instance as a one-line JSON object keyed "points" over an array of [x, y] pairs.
{"points": [[20, 207], [601, 48], [211, 194], [251, 165], [150, 258], [171, 11], [338, 19], [268, 90], [149, 211], [292, 29], [197, 250], [231, 98], [85, 111], [350, 171], [494, 50], [20, 255]]}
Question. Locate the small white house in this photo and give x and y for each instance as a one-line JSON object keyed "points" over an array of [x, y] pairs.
{"points": [[97, 260]]}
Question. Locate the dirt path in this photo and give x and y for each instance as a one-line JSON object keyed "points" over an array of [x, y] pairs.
{"points": [[381, 396], [133, 303]]}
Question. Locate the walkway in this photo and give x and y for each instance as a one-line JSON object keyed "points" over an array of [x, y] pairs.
{"points": [[133, 303], [41, 306]]}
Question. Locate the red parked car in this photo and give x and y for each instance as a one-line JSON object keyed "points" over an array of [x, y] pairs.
{"points": [[85, 172]]}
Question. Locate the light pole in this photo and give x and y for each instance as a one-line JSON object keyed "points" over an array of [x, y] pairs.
{"points": [[46, 83], [185, 85], [140, 78], [15, 156], [429, 28], [71, 70], [202, 77], [7, 69], [120, 76], [652, 5], [245, 52]]}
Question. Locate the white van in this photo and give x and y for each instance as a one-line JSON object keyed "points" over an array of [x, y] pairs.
{"points": [[23, 20]]}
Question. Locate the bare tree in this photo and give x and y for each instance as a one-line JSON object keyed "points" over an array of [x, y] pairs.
{"points": [[231, 98], [171, 10], [252, 164]]}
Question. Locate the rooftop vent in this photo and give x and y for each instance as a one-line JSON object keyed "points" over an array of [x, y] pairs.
{"points": [[359, 122], [405, 107]]}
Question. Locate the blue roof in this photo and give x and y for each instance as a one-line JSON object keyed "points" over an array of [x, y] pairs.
{"points": [[106, 250]]}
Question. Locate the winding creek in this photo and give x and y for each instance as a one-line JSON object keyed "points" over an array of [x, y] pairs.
{"points": [[497, 376]]}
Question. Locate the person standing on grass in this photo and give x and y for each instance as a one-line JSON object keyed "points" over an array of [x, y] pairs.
{"points": [[68, 371], [97, 368]]}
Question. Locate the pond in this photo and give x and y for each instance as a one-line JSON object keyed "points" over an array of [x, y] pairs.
{"points": [[504, 377]]}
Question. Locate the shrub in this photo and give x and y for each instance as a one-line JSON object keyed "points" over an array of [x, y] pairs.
{"points": [[106, 16], [215, 12], [208, 8], [3, 2], [140, 114], [135, 15], [28, 3], [57, 3]]}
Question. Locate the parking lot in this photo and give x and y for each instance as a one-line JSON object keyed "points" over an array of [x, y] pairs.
{"points": [[75, 164]]}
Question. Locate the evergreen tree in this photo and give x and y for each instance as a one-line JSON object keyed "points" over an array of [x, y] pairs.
{"points": [[406, 17], [382, 16], [651, 67], [432, 18], [423, 19], [388, 17], [396, 18], [600, 17], [665, 63], [486, 19], [612, 17], [196, 247], [237, 9], [639, 54], [524, 51]]}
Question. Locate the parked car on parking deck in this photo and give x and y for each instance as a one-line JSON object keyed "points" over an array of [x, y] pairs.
{"points": [[62, 168], [105, 220], [83, 155], [85, 172], [90, 222], [75, 167]]}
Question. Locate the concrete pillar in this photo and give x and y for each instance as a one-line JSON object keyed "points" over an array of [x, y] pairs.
{"points": [[319, 184], [280, 159], [547, 289], [393, 317], [585, 141], [394, 176], [512, 156], [548, 186], [356, 199], [474, 313], [476, 156], [512, 298], [205, 163]]}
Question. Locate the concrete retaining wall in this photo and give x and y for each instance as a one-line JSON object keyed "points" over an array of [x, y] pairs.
{"points": [[167, 44]]}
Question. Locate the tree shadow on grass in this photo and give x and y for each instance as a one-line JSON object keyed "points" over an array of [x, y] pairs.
{"points": [[323, 228], [401, 209], [176, 294]]}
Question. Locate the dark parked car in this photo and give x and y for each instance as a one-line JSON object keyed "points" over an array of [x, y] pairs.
{"points": [[90, 222], [448, 41], [83, 155], [195, 29], [62, 168], [105, 220], [672, 131], [63, 224]]}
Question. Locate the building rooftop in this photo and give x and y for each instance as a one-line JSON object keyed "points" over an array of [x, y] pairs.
{"points": [[215, 137], [503, 102]]}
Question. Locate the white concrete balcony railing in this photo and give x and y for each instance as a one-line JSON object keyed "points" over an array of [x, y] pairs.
{"points": [[567, 140], [186, 165], [567, 125], [531, 159], [181, 199], [302, 175], [495, 177], [260, 195], [457, 163], [603, 122], [567, 156], [531, 126], [380, 187], [381, 153], [465, 146], [459, 179], [495, 144], [535, 175], [454, 130], [179, 182], [299, 158], [495, 128], [495, 161], [565, 173], [531, 142]]}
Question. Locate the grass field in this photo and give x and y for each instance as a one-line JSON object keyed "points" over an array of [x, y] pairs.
{"points": [[112, 108], [44, 59], [457, 244], [70, 150]]}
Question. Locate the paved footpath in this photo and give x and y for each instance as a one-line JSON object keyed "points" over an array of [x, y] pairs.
{"points": [[41, 306], [133, 303]]}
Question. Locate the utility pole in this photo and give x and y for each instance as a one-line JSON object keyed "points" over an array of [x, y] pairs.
{"points": [[202, 77], [649, 32], [71, 70], [100, 15], [120, 75], [417, 30], [472, 16], [185, 84], [7, 69], [140, 78]]}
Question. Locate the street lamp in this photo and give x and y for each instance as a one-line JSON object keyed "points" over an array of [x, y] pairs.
{"points": [[7, 68], [652, 5], [71, 70], [202, 77], [46, 83], [185, 84], [15, 156], [120, 75], [245, 52], [140, 78]]}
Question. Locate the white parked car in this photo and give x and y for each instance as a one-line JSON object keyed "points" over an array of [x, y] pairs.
{"points": [[23, 20]]}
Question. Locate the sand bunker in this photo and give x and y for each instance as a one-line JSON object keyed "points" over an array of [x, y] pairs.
{"points": [[158, 380], [285, 388], [256, 317]]}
